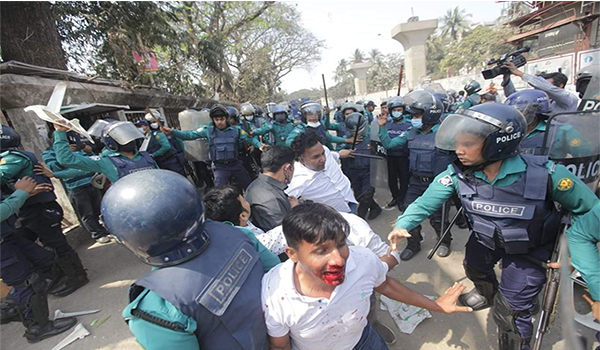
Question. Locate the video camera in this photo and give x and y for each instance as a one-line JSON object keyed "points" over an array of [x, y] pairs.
{"points": [[517, 58]]}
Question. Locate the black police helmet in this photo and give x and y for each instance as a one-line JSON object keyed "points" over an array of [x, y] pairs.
{"points": [[356, 120], [218, 110], [9, 138], [158, 215], [424, 103], [472, 87]]}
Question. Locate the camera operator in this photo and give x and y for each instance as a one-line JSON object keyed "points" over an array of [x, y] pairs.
{"points": [[551, 83]]}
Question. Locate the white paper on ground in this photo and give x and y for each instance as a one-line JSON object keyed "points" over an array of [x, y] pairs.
{"points": [[406, 317]]}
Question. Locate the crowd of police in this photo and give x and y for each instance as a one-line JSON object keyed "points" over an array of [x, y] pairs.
{"points": [[442, 149]]}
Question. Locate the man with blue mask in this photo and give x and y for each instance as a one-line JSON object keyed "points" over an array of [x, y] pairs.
{"points": [[280, 128], [425, 160], [397, 157]]}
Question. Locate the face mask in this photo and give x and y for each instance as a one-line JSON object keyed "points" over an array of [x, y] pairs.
{"points": [[249, 118], [313, 124], [280, 118], [128, 147], [417, 123], [397, 115], [142, 130], [154, 125]]}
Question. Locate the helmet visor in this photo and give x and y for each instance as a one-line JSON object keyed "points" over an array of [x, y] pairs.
{"points": [[123, 132], [462, 130], [97, 127], [312, 109]]}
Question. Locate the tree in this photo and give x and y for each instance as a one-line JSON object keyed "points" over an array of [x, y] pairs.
{"points": [[340, 72], [472, 53], [384, 73], [375, 56], [358, 56], [28, 34], [455, 23], [436, 51]]}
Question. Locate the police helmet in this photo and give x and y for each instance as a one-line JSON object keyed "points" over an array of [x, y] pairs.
{"points": [[452, 93], [158, 215], [150, 118], [472, 87], [247, 109], [500, 127], [356, 120], [98, 126], [360, 103], [346, 106], [233, 114], [280, 114], [310, 107], [259, 110], [9, 138], [360, 108], [584, 76], [445, 99], [424, 103], [119, 134], [395, 102], [532, 103], [218, 110]]}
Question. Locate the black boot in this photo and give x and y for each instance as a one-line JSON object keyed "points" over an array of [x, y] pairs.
{"points": [[444, 250], [9, 310], [374, 211], [482, 296], [54, 277], [414, 244], [35, 314], [362, 210], [75, 278]]}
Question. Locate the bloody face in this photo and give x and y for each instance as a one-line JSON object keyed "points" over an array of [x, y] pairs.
{"points": [[324, 262], [468, 149], [314, 157]]}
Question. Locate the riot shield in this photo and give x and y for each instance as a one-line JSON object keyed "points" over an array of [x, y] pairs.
{"points": [[436, 88], [379, 175], [195, 150], [573, 140]]}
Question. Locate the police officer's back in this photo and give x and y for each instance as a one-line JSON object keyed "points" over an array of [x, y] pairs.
{"points": [[204, 291]]}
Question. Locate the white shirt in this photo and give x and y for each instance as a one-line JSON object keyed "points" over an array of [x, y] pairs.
{"points": [[320, 323], [329, 186]]}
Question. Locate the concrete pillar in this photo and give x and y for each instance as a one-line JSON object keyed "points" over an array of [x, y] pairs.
{"points": [[412, 36], [359, 71]]}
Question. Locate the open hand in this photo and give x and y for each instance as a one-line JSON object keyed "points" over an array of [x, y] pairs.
{"points": [[382, 120], [347, 153], [396, 236], [42, 169], [447, 302], [513, 69], [26, 184]]}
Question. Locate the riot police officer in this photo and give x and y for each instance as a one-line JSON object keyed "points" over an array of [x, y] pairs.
{"points": [[358, 169], [280, 128], [172, 158], [535, 107], [471, 88], [397, 157], [40, 217], [23, 262], [312, 122], [508, 199], [369, 108], [425, 160], [120, 159], [204, 291], [224, 142]]}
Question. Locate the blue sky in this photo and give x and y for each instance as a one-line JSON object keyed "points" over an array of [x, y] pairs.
{"points": [[347, 25]]}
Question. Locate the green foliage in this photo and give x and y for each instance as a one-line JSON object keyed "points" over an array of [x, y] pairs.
{"points": [[455, 23], [474, 50], [384, 73], [240, 50], [313, 94]]}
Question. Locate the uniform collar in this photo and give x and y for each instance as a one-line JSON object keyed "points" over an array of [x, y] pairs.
{"points": [[510, 166], [280, 185], [434, 129]]}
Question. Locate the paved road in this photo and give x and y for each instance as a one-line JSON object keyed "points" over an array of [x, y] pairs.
{"points": [[112, 268]]}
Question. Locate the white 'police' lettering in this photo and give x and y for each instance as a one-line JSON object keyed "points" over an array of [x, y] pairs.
{"points": [[506, 138], [502, 209]]}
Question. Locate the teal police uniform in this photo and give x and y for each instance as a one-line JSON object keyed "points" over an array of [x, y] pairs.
{"points": [[85, 197], [470, 101], [279, 131], [98, 164], [329, 139], [151, 336], [224, 148]]}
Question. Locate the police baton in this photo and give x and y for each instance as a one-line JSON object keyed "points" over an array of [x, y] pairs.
{"points": [[356, 132], [154, 117], [325, 91], [446, 232]]}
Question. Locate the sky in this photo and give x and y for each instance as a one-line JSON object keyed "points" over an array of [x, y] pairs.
{"points": [[346, 26]]}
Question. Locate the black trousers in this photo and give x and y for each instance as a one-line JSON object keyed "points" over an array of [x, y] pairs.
{"points": [[87, 200], [398, 172], [43, 221]]}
